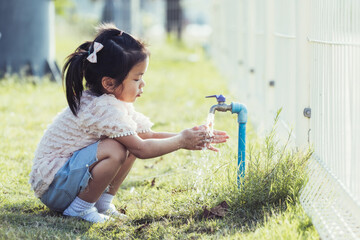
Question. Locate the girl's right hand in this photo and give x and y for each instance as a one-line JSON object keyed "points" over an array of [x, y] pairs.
{"points": [[193, 138]]}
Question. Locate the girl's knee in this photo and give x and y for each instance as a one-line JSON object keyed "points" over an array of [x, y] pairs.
{"points": [[131, 156], [111, 149], [130, 159]]}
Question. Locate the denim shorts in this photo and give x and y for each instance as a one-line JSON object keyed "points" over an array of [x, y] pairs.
{"points": [[71, 179]]}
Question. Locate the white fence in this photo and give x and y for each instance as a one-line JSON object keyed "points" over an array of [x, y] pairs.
{"points": [[302, 55]]}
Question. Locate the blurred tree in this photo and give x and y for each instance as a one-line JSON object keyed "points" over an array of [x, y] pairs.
{"points": [[174, 17]]}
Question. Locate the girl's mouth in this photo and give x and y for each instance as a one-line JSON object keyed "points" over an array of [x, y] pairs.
{"points": [[141, 92]]}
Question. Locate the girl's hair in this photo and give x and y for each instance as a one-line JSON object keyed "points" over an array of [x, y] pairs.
{"points": [[120, 53]]}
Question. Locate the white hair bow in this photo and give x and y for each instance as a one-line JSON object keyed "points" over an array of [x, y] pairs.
{"points": [[92, 57]]}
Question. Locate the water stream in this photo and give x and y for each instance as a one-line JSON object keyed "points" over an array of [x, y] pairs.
{"points": [[203, 164], [210, 129]]}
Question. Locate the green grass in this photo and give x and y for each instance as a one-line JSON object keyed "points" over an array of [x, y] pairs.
{"points": [[164, 197]]}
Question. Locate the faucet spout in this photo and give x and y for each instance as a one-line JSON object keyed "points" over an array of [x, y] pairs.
{"points": [[221, 107]]}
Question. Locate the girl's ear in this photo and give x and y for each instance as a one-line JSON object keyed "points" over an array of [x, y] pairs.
{"points": [[108, 84]]}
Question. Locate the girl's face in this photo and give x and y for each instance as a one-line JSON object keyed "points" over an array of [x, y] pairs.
{"points": [[132, 86]]}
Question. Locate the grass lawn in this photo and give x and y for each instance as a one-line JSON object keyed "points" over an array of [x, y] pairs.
{"points": [[182, 195]]}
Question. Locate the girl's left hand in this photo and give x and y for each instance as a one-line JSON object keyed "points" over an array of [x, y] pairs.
{"points": [[219, 137]]}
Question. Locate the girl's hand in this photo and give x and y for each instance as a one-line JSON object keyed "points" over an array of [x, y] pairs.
{"points": [[218, 137], [215, 137], [193, 138]]}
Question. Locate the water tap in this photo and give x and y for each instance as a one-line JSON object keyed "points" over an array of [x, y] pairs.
{"points": [[238, 108], [221, 106]]}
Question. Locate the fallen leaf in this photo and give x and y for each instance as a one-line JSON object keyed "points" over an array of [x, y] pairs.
{"points": [[218, 211]]}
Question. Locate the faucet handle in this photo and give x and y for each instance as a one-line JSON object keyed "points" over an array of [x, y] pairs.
{"points": [[219, 98]]}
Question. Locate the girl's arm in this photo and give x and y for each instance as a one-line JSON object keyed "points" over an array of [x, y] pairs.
{"points": [[191, 139], [218, 136], [152, 134]]}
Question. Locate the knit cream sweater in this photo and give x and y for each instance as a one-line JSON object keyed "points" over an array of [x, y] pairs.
{"points": [[99, 117]]}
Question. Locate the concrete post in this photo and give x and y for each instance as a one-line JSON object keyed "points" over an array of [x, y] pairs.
{"points": [[26, 44]]}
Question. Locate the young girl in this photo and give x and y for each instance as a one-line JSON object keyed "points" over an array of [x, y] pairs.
{"points": [[89, 149]]}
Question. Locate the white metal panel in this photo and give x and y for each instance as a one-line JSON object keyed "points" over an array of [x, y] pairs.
{"points": [[285, 62], [334, 75], [334, 78], [303, 20], [259, 54], [269, 71]]}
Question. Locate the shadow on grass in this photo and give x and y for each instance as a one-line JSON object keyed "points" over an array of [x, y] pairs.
{"points": [[37, 220], [239, 219], [40, 218]]}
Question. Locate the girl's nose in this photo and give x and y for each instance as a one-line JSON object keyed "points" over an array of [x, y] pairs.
{"points": [[142, 83]]}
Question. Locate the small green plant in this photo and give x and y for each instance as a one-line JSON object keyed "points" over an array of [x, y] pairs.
{"points": [[274, 177]]}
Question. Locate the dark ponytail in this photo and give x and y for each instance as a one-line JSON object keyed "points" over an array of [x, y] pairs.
{"points": [[73, 75], [120, 53]]}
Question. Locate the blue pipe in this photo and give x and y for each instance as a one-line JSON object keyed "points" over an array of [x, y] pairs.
{"points": [[241, 110]]}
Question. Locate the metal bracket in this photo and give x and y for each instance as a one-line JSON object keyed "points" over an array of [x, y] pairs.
{"points": [[307, 112]]}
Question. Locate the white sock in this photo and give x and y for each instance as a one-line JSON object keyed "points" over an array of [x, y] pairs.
{"points": [[104, 202], [84, 210]]}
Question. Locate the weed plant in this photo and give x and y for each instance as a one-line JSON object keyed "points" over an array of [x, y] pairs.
{"points": [[274, 177]]}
